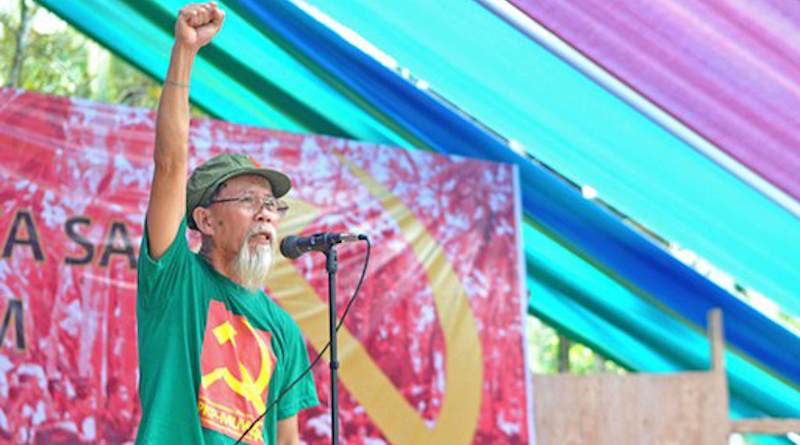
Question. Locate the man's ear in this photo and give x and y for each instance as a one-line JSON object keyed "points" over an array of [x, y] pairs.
{"points": [[203, 218]]}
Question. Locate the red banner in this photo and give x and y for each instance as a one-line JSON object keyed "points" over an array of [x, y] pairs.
{"points": [[432, 352]]}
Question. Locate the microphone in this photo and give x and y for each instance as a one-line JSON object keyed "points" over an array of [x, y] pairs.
{"points": [[293, 246]]}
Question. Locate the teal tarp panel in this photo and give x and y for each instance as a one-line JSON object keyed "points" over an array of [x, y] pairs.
{"points": [[519, 89], [266, 87]]}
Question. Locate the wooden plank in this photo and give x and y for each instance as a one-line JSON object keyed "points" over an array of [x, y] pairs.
{"points": [[766, 426], [634, 409], [716, 338]]}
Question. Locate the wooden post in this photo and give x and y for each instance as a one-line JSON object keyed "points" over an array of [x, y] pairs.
{"points": [[719, 386], [716, 338]]}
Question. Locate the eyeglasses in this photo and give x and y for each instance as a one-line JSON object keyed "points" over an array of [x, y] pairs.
{"points": [[256, 203]]}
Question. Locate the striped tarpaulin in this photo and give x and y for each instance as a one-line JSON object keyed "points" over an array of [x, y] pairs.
{"points": [[728, 69]]}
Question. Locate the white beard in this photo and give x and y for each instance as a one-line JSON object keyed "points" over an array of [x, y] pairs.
{"points": [[253, 264]]}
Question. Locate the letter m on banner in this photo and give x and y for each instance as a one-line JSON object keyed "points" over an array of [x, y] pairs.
{"points": [[13, 322]]}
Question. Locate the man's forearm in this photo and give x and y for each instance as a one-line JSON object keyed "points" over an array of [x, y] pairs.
{"points": [[172, 121]]}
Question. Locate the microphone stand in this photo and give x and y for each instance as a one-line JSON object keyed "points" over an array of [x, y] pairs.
{"points": [[332, 266]]}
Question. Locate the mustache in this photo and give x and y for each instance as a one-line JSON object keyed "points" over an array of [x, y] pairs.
{"points": [[261, 229]]}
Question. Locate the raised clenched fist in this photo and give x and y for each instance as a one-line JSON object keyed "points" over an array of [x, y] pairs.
{"points": [[197, 24]]}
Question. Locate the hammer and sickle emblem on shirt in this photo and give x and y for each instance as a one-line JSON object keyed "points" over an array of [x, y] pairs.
{"points": [[398, 420], [252, 389]]}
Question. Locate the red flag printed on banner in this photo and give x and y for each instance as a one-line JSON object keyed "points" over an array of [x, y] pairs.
{"points": [[432, 352]]}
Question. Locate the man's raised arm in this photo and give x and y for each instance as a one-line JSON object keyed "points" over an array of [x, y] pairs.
{"points": [[197, 24]]}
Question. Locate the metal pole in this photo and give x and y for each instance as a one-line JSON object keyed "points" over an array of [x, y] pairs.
{"points": [[331, 265]]}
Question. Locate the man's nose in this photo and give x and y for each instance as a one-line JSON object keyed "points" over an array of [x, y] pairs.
{"points": [[265, 214]]}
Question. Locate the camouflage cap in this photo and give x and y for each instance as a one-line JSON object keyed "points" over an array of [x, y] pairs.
{"points": [[207, 177]]}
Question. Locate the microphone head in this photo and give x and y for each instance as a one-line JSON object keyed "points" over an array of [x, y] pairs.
{"points": [[289, 247]]}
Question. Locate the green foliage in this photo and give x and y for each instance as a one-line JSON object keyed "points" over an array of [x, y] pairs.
{"points": [[542, 347], [131, 87], [55, 64], [7, 41], [543, 357], [585, 361], [57, 59]]}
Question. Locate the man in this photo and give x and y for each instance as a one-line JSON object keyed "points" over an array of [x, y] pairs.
{"points": [[214, 350]]}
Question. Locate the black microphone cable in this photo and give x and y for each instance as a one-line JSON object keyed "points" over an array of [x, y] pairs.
{"points": [[319, 356]]}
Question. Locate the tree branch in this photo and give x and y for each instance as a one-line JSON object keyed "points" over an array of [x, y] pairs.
{"points": [[21, 34]]}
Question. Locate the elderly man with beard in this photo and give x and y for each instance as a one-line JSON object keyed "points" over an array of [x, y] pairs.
{"points": [[214, 350]]}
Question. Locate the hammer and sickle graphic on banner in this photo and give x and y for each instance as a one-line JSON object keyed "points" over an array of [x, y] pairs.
{"points": [[398, 420], [251, 389]]}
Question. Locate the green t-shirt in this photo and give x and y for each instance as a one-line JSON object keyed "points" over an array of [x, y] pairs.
{"points": [[212, 355]]}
